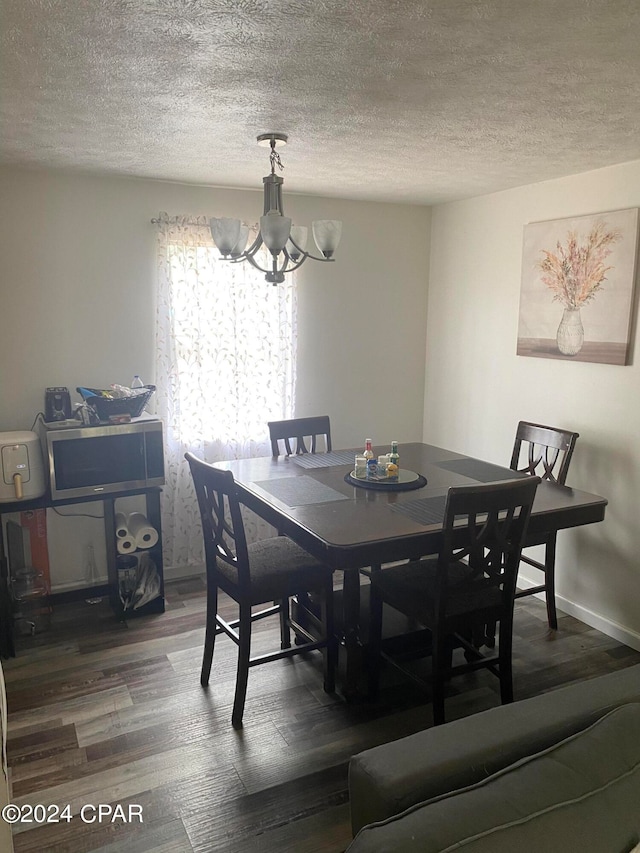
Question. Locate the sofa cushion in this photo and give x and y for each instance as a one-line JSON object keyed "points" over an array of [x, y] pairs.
{"points": [[392, 777], [580, 794]]}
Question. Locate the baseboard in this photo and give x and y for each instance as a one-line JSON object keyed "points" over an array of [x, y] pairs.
{"points": [[174, 573], [594, 620], [600, 623]]}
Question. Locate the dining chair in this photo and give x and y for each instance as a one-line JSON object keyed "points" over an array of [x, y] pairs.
{"points": [[471, 581], [544, 452], [312, 429], [270, 570]]}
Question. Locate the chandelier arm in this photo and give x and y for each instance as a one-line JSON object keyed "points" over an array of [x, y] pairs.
{"points": [[253, 248], [253, 263], [315, 258], [303, 254], [295, 264]]}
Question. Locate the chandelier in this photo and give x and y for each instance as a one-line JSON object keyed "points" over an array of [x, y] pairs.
{"points": [[286, 243]]}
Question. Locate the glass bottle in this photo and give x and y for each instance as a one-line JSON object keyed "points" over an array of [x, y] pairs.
{"points": [[91, 574], [394, 456], [136, 384], [368, 449]]}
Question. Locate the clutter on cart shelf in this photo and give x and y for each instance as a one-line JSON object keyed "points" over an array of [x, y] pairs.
{"points": [[118, 403], [134, 531], [30, 594], [138, 580]]}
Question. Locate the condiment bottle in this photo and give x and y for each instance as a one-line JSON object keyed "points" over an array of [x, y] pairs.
{"points": [[394, 456], [383, 461], [360, 470], [368, 449]]}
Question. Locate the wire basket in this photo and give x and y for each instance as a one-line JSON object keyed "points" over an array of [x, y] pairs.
{"points": [[104, 407]]}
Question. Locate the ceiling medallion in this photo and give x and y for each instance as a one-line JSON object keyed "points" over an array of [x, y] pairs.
{"points": [[286, 242]]}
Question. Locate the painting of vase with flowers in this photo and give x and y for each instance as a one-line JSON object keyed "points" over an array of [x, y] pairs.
{"points": [[577, 287]]}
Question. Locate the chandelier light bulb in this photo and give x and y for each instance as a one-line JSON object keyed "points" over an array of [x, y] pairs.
{"points": [[297, 242], [327, 233], [275, 229], [225, 233]]}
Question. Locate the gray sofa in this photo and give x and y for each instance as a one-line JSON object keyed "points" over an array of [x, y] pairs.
{"points": [[560, 771]]}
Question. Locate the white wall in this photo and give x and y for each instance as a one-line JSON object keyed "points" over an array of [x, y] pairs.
{"points": [[77, 284], [477, 389], [77, 303]]}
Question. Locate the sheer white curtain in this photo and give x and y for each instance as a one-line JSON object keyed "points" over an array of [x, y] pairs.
{"points": [[226, 345]]}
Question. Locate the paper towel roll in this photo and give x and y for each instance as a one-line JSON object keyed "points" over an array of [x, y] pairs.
{"points": [[126, 544], [121, 525], [144, 534]]}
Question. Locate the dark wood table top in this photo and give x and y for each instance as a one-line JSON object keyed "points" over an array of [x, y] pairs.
{"points": [[351, 527]]}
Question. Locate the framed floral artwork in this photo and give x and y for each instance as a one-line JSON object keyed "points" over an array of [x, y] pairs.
{"points": [[577, 289]]}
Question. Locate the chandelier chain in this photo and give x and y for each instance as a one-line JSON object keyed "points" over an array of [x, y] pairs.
{"points": [[274, 159]]}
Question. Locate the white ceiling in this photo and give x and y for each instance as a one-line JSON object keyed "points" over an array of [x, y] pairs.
{"points": [[393, 100]]}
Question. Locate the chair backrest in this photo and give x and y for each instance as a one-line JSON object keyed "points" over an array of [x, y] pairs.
{"points": [[484, 527], [300, 429], [547, 450], [222, 525]]}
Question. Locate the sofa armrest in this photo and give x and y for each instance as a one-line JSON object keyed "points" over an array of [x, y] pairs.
{"points": [[387, 779]]}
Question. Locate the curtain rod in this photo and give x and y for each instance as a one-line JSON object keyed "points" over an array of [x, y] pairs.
{"points": [[186, 221]]}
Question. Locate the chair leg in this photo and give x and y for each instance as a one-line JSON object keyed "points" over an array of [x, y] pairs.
{"points": [[210, 633], [550, 582], [304, 603], [490, 635], [285, 630], [440, 659], [242, 677], [505, 648]]}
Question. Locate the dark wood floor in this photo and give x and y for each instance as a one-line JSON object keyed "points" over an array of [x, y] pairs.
{"points": [[101, 712]]}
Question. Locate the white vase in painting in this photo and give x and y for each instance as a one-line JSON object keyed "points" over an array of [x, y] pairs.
{"points": [[570, 335]]}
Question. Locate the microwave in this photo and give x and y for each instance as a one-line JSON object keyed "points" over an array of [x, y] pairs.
{"points": [[87, 461]]}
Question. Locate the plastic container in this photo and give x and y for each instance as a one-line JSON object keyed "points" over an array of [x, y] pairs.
{"points": [[31, 600]]}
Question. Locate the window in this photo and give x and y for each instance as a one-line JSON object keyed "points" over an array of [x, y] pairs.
{"points": [[226, 343]]}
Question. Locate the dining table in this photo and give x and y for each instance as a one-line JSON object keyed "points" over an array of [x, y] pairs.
{"points": [[353, 524]]}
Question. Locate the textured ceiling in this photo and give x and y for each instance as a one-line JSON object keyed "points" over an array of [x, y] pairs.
{"points": [[382, 99]]}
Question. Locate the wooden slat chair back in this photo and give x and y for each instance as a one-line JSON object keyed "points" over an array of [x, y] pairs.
{"points": [[300, 435], [545, 452], [470, 582], [268, 571]]}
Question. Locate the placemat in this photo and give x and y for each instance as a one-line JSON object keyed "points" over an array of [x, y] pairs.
{"points": [[300, 491], [324, 460], [423, 510], [476, 469]]}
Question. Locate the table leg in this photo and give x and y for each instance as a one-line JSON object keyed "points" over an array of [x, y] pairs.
{"points": [[354, 687], [351, 627]]}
